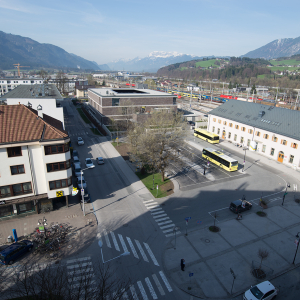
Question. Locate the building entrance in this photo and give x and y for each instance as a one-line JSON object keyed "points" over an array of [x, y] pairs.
{"points": [[280, 156]]}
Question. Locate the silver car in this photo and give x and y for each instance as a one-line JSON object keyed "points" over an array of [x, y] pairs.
{"points": [[100, 160]]}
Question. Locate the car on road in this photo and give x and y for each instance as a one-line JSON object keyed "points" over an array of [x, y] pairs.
{"points": [[77, 169], [80, 141], [86, 196], [83, 185], [100, 160], [239, 206], [262, 291], [75, 159], [75, 153], [11, 253], [89, 163]]}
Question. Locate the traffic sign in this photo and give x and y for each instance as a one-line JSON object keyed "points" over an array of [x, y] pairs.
{"points": [[191, 274], [82, 192], [188, 218]]}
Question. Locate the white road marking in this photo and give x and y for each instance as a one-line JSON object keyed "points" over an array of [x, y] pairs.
{"points": [[153, 206], [149, 204], [167, 226], [295, 187], [132, 247], [155, 209], [78, 284], [166, 222], [162, 219], [168, 230], [133, 292], [125, 296], [165, 280], [70, 261], [161, 290], [80, 277], [123, 243], [79, 265], [148, 201], [141, 250], [159, 216], [158, 212], [151, 289], [86, 270], [151, 254], [115, 241], [106, 238], [143, 292]]}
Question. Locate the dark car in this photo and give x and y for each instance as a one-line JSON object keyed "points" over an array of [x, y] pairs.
{"points": [[191, 123], [86, 196], [239, 206], [11, 253], [75, 153]]}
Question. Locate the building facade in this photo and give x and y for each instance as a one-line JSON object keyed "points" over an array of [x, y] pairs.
{"points": [[271, 131], [8, 84], [35, 161]]}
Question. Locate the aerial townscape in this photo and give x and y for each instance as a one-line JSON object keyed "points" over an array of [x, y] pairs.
{"points": [[149, 151]]}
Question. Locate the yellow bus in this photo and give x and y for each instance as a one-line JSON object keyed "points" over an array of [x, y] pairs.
{"points": [[207, 136], [220, 159]]}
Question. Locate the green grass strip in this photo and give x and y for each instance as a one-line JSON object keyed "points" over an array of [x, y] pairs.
{"points": [[83, 116]]}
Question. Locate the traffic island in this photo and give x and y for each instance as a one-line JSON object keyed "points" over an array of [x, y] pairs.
{"points": [[261, 213], [214, 228]]}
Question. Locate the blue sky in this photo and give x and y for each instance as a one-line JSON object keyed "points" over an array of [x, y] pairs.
{"points": [[109, 30]]}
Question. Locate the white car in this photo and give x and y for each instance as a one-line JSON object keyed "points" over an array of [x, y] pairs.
{"points": [[264, 290], [80, 141], [89, 163]]}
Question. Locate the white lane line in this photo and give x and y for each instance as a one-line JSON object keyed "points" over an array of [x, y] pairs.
{"points": [[172, 234], [165, 280], [133, 293], [125, 296], [115, 241], [149, 204], [151, 207], [81, 277], [166, 222], [168, 230], [99, 236], [159, 216], [143, 292], [161, 290], [79, 265], [132, 247], [162, 219], [141, 250], [86, 270], [70, 261], [106, 238], [148, 201], [151, 254], [151, 289], [123, 243], [167, 226], [157, 213], [155, 209], [78, 284]]}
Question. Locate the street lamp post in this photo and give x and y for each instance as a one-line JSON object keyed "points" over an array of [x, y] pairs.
{"points": [[297, 236], [245, 148], [82, 189], [123, 254]]}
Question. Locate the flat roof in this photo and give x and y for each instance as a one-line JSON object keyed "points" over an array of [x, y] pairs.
{"points": [[130, 92], [221, 154], [34, 91]]}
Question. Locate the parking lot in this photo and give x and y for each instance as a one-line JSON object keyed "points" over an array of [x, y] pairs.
{"points": [[189, 171]]}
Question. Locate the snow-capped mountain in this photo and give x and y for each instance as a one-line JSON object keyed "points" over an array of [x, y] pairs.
{"points": [[277, 48], [151, 63]]}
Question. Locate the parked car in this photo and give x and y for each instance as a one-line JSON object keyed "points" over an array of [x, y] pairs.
{"points": [[264, 290], [77, 169], [75, 159], [75, 153], [80, 141], [89, 163], [86, 196], [11, 253], [239, 206], [100, 160], [191, 123], [83, 185]]}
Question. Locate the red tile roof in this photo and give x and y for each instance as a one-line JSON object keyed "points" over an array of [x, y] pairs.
{"points": [[18, 123]]}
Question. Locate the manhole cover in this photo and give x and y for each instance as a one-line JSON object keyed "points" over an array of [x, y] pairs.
{"points": [[207, 241], [125, 225], [70, 246]]}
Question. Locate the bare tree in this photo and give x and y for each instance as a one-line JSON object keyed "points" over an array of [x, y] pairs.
{"points": [[156, 141], [262, 254], [61, 81]]}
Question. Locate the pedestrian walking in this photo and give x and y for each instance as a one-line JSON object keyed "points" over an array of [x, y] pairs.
{"points": [[182, 264]]}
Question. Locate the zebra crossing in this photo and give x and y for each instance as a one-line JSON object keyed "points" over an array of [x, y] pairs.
{"points": [[81, 270], [82, 133], [160, 216], [134, 246]]}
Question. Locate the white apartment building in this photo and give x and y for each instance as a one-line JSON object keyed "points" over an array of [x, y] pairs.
{"points": [[35, 161], [42, 97], [8, 84], [269, 130]]}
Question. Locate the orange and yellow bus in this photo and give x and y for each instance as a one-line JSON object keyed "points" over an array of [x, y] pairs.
{"points": [[206, 135], [220, 159]]}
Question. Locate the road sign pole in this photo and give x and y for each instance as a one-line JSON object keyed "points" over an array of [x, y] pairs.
{"points": [[186, 223]]}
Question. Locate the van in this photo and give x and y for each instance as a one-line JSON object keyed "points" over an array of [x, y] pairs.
{"points": [[10, 254], [77, 169]]}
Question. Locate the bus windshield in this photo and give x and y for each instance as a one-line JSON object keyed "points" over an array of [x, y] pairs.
{"points": [[234, 163]]}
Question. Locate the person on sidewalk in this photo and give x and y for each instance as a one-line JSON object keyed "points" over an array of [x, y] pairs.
{"points": [[182, 264]]}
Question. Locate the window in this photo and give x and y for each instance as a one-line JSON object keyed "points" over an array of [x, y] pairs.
{"points": [[15, 189], [225, 123], [230, 124], [17, 169], [62, 183], [235, 137], [294, 145], [243, 129], [264, 149], [291, 160], [266, 136], [248, 142], [229, 135], [274, 139], [250, 131], [213, 129], [242, 139], [63, 165], [257, 133], [115, 101], [214, 119], [174, 101], [236, 126], [62, 148], [272, 151], [218, 130], [14, 151], [283, 142], [219, 121]]}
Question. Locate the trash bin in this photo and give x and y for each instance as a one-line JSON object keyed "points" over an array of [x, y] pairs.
{"points": [[10, 239]]}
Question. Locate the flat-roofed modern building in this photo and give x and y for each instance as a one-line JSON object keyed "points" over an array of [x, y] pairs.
{"points": [[8, 84], [269, 130], [112, 103]]}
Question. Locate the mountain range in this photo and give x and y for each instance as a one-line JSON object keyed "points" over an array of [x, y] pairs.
{"points": [[17, 49], [278, 48]]}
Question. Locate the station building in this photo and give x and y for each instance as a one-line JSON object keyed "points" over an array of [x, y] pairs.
{"points": [[271, 131], [35, 161]]}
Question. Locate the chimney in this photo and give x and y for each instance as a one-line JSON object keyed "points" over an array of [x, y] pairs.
{"points": [[40, 111]]}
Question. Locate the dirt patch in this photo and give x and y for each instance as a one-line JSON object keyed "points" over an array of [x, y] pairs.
{"points": [[168, 188], [124, 150]]}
